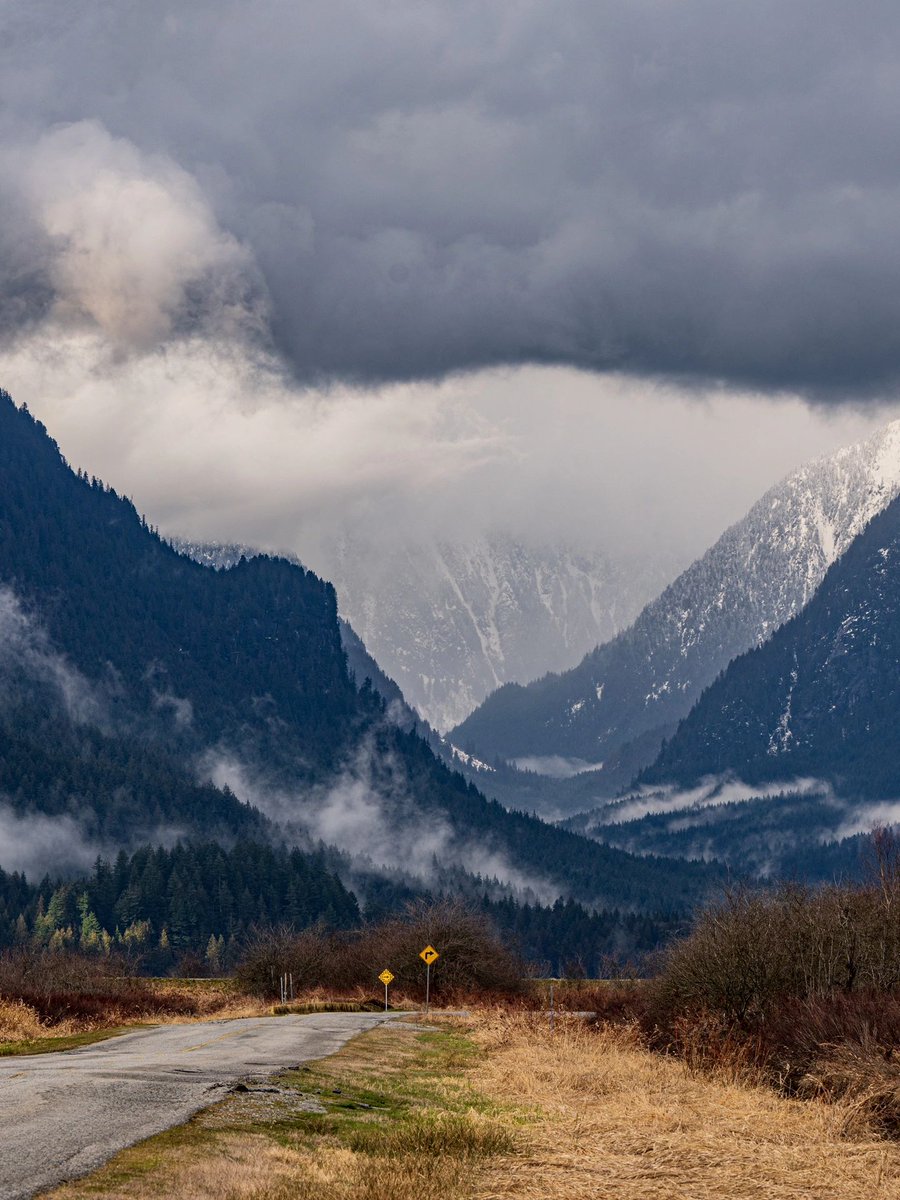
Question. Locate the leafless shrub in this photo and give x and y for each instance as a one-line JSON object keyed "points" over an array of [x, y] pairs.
{"points": [[753, 951], [61, 986], [472, 957], [275, 950], [800, 987], [68, 987]]}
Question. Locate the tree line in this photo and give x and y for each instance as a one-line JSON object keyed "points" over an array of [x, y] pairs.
{"points": [[191, 909]]}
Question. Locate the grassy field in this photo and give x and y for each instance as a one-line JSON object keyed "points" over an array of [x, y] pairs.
{"points": [[498, 1106]]}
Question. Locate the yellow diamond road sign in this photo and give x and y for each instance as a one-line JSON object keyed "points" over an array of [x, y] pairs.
{"points": [[386, 977], [429, 955]]}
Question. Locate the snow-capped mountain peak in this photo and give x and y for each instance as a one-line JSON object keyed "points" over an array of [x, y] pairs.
{"points": [[763, 570]]}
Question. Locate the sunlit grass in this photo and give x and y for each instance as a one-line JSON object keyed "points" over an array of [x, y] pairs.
{"points": [[394, 1116], [501, 1106]]}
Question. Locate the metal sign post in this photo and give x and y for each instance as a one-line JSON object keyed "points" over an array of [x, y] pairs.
{"points": [[386, 978], [428, 956]]}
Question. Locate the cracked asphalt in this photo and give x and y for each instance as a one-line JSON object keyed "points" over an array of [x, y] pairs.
{"points": [[63, 1115]]}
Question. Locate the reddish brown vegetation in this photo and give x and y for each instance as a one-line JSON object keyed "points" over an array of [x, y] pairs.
{"points": [[63, 987], [71, 992], [473, 961], [799, 987]]}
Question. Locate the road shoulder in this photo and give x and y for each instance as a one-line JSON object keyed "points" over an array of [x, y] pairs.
{"points": [[393, 1112]]}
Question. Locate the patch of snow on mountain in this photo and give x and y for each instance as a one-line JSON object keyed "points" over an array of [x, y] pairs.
{"points": [[469, 760]]}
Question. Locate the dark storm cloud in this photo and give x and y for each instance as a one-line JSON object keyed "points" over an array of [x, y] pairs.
{"points": [[390, 189]]}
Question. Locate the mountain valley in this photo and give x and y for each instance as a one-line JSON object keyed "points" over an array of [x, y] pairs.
{"points": [[151, 699]]}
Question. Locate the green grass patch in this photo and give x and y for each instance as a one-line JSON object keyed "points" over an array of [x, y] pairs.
{"points": [[397, 1086], [431, 1136], [71, 1041]]}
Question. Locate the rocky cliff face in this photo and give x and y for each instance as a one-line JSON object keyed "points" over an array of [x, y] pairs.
{"points": [[452, 621]]}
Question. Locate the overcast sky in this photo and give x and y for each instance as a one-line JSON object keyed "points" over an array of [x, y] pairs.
{"points": [[578, 268]]}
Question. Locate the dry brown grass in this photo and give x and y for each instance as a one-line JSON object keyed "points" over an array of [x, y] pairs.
{"points": [[617, 1121], [209, 1000], [20, 1023], [576, 1114], [865, 1083], [247, 1167]]}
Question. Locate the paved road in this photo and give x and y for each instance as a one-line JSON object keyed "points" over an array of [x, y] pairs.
{"points": [[62, 1115]]}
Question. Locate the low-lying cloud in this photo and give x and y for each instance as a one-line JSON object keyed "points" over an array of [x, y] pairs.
{"points": [[864, 818], [375, 821], [556, 766], [709, 792], [25, 649], [37, 845]]}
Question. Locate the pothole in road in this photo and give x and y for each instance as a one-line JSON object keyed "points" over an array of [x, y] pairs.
{"points": [[258, 1102]]}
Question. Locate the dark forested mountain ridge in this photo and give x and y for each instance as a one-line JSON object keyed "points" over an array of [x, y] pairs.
{"points": [[361, 664], [821, 699], [128, 667], [126, 608], [626, 696]]}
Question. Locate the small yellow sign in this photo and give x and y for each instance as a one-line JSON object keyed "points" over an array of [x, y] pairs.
{"points": [[429, 955], [386, 977]]}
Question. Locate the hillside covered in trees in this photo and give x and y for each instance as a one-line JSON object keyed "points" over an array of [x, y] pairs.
{"points": [[821, 699], [139, 686]]}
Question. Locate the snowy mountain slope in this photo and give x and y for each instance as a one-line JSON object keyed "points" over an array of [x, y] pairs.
{"points": [[821, 699], [762, 570], [452, 621]]}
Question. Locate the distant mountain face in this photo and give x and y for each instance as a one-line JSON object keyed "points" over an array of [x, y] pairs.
{"points": [[821, 699], [627, 695], [450, 622]]}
